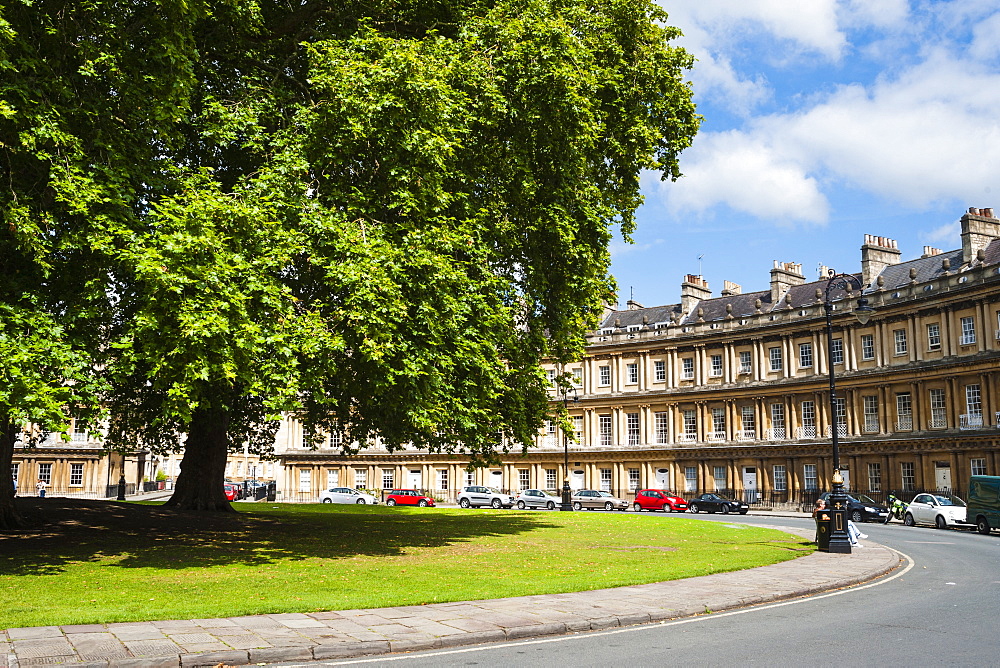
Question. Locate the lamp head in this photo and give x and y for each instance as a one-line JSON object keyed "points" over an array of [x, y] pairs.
{"points": [[863, 311]]}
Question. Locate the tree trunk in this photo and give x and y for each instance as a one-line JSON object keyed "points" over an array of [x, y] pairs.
{"points": [[9, 517], [201, 482]]}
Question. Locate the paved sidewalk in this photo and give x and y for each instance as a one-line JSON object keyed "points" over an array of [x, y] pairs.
{"points": [[352, 633]]}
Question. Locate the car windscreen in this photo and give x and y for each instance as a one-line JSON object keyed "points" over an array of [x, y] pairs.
{"points": [[950, 501]]}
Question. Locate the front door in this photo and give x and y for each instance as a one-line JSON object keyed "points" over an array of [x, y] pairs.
{"points": [[415, 479], [942, 475], [750, 483], [576, 480], [496, 480], [663, 478], [846, 474]]}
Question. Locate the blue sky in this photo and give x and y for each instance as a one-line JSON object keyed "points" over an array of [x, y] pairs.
{"points": [[825, 120]]}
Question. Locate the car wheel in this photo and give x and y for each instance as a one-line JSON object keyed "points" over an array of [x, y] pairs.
{"points": [[609, 506], [693, 508], [982, 526], [940, 522], [577, 505], [327, 500], [908, 520], [464, 503], [495, 503], [551, 505], [520, 505], [422, 503], [744, 512], [636, 507], [856, 517], [390, 502], [361, 502], [725, 510]]}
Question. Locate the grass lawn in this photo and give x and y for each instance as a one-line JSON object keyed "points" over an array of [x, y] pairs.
{"points": [[91, 561]]}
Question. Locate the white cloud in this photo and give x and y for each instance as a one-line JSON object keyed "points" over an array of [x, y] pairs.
{"points": [[985, 45], [747, 175], [619, 248], [945, 234]]}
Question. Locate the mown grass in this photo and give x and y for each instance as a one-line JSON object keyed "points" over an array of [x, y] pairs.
{"points": [[145, 564]]}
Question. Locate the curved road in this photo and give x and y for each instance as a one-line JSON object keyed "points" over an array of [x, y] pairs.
{"points": [[941, 608]]}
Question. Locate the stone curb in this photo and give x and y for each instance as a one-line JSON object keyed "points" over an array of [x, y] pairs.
{"points": [[828, 577]]}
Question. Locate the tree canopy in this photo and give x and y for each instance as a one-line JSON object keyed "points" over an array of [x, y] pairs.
{"points": [[378, 217]]}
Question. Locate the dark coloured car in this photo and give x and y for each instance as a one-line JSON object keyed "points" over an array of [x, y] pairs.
{"points": [[713, 503], [408, 497], [861, 508], [657, 499]]}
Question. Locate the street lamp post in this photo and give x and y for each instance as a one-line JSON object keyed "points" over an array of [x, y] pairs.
{"points": [[567, 494], [839, 539]]}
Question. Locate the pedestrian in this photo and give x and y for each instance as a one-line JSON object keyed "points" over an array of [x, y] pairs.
{"points": [[40, 486], [817, 509]]}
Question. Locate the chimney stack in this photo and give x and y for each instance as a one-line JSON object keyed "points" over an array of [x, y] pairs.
{"points": [[877, 254], [694, 288], [783, 276], [979, 228], [729, 289]]}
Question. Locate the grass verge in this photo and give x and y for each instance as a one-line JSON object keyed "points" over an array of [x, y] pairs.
{"points": [[107, 562]]}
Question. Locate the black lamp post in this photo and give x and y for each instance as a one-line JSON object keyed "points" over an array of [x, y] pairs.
{"points": [[567, 494], [121, 481], [839, 539]]}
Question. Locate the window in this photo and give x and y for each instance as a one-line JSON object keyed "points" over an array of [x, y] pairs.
{"points": [[870, 406], [778, 416], [805, 355], [867, 347], [837, 351], [690, 479], [305, 480], [336, 438], [659, 371], [690, 425], [687, 368], [76, 475], [718, 421], [780, 478], [360, 478], [973, 401], [15, 470], [809, 415], [809, 477], [978, 466], [604, 429], [578, 428], [899, 336], [332, 478], [749, 420], [552, 377], [470, 478], [633, 480], [719, 476], [660, 425], [775, 356], [909, 479], [443, 479], [605, 480], [934, 336], [632, 427], [632, 373], [388, 478], [939, 412], [716, 365], [840, 411], [550, 426], [904, 412], [746, 365], [522, 479], [577, 377], [604, 375], [968, 331], [874, 477], [550, 479]]}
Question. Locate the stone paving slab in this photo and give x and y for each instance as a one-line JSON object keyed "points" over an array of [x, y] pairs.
{"points": [[300, 637]]}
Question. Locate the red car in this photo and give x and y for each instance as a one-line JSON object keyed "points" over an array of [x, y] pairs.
{"points": [[408, 497], [232, 492], [657, 499]]}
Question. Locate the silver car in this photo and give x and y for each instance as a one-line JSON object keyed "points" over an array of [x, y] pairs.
{"points": [[476, 496], [536, 498], [591, 499], [346, 495], [941, 510]]}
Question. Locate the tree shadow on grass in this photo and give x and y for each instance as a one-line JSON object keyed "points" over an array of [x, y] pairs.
{"points": [[68, 531]]}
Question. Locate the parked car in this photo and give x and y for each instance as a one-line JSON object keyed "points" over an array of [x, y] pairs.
{"points": [[941, 510], [984, 502], [346, 495], [232, 492], [861, 508], [237, 490], [656, 499], [408, 497], [476, 496], [536, 498], [713, 503], [591, 499]]}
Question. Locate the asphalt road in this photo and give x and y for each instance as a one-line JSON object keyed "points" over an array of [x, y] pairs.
{"points": [[941, 608]]}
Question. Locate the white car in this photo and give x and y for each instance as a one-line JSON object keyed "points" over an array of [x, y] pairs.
{"points": [[941, 510], [536, 498], [476, 496], [346, 495]]}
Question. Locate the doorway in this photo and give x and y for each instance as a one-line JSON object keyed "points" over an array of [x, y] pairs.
{"points": [[942, 475], [414, 479], [750, 493], [576, 480]]}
